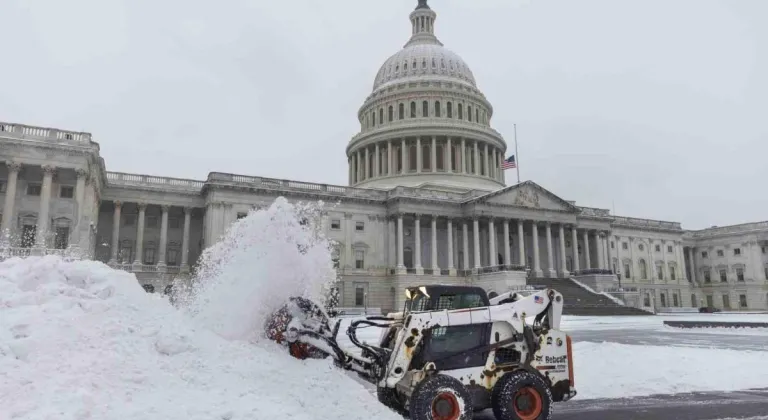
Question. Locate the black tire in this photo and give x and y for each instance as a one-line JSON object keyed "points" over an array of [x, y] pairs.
{"points": [[440, 397], [522, 395], [390, 399]]}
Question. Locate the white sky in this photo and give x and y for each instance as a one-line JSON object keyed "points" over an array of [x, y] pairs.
{"points": [[657, 106]]}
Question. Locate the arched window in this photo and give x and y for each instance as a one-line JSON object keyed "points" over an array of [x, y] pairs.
{"points": [[477, 115], [401, 111], [413, 109], [426, 159], [449, 109], [461, 111], [643, 269], [391, 113], [425, 109], [437, 109], [373, 118], [469, 113]]}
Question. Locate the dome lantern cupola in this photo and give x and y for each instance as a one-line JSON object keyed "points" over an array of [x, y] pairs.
{"points": [[423, 23]]}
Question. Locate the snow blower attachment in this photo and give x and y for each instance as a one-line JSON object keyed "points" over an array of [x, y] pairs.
{"points": [[449, 353]]}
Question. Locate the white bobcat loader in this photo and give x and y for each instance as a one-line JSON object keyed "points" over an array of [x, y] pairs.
{"points": [[450, 352]]}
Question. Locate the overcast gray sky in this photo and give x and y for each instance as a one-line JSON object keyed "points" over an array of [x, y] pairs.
{"points": [[656, 106]]}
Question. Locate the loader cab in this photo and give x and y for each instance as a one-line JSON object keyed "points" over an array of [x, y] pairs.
{"points": [[441, 297]]}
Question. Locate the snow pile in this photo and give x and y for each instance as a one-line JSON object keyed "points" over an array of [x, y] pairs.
{"points": [[79, 340]]}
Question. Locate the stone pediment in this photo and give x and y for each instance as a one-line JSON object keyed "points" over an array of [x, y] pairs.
{"points": [[527, 194]]}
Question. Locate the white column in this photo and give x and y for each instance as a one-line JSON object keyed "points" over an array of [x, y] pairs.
{"points": [[563, 266], [417, 245], [691, 254], [185, 240], [465, 243], [403, 161], [400, 257], [377, 154], [79, 200], [366, 166], [8, 226], [419, 157], [140, 234], [682, 275], [163, 235], [608, 253], [435, 266], [587, 259], [448, 156], [477, 160], [575, 248], [487, 162], [451, 268], [476, 237], [115, 232], [390, 164], [665, 270], [536, 263], [43, 223], [600, 250], [507, 260], [550, 251], [433, 153], [463, 156], [360, 166], [493, 259], [521, 242]]}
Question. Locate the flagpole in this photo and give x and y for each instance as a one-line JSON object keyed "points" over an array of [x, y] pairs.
{"points": [[517, 155]]}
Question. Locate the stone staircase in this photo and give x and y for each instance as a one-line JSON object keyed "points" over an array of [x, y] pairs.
{"points": [[579, 301]]}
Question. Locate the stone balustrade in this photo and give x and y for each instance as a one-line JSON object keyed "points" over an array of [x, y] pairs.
{"points": [[165, 183], [29, 132], [726, 230], [646, 223], [420, 123]]}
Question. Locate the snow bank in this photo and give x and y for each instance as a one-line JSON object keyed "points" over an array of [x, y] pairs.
{"points": [[611, 370], [79, 340]]}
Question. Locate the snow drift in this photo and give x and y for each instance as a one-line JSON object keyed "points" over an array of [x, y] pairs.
{"points": [[79, 340]]}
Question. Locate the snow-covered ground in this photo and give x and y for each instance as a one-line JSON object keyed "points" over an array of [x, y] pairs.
{"points": [[79, 340]]}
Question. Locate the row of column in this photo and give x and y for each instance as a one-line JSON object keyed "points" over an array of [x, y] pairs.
{"points": [[603, 256], [43, 218], [384, 164], [140, 235]]}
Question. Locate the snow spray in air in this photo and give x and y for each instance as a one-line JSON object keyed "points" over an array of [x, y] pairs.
{"points": [[264, 259]]}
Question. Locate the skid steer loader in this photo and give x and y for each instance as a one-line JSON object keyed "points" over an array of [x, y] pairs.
{"points": [[450, 352]]}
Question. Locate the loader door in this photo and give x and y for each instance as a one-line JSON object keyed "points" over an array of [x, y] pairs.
{"points": [[450, 347]]}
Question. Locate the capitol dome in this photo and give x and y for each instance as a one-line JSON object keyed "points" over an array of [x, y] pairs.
{"points": [[426, 123]]}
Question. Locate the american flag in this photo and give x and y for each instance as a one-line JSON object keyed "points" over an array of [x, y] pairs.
{"points": [[509, 163], [538, 299]]}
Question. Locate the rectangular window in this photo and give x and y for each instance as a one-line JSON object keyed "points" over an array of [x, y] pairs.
{"points": [[720, 253], [726, 302], [710, 301], [658, 248], [660, 272], [360, 294], [174, 223], [336, 224], [740, 274], [34, 189], [129, 219], [4, 188], [359, 259], [627, 272], [613, 245], [149, 256], [151, 221], [624, 246], [359, 226], [675, 300], [737, 251], [61, 240], [743, 301], [723, 276], [669, 249], [704, 254], [707, 276], [66, 191], [672, 273], [28, 236], [173, 257]]}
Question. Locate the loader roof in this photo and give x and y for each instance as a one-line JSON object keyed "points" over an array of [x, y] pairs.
{"points": [[443, 296]]}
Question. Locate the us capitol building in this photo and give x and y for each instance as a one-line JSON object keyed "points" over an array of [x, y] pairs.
{"points": [[427, 202]]}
